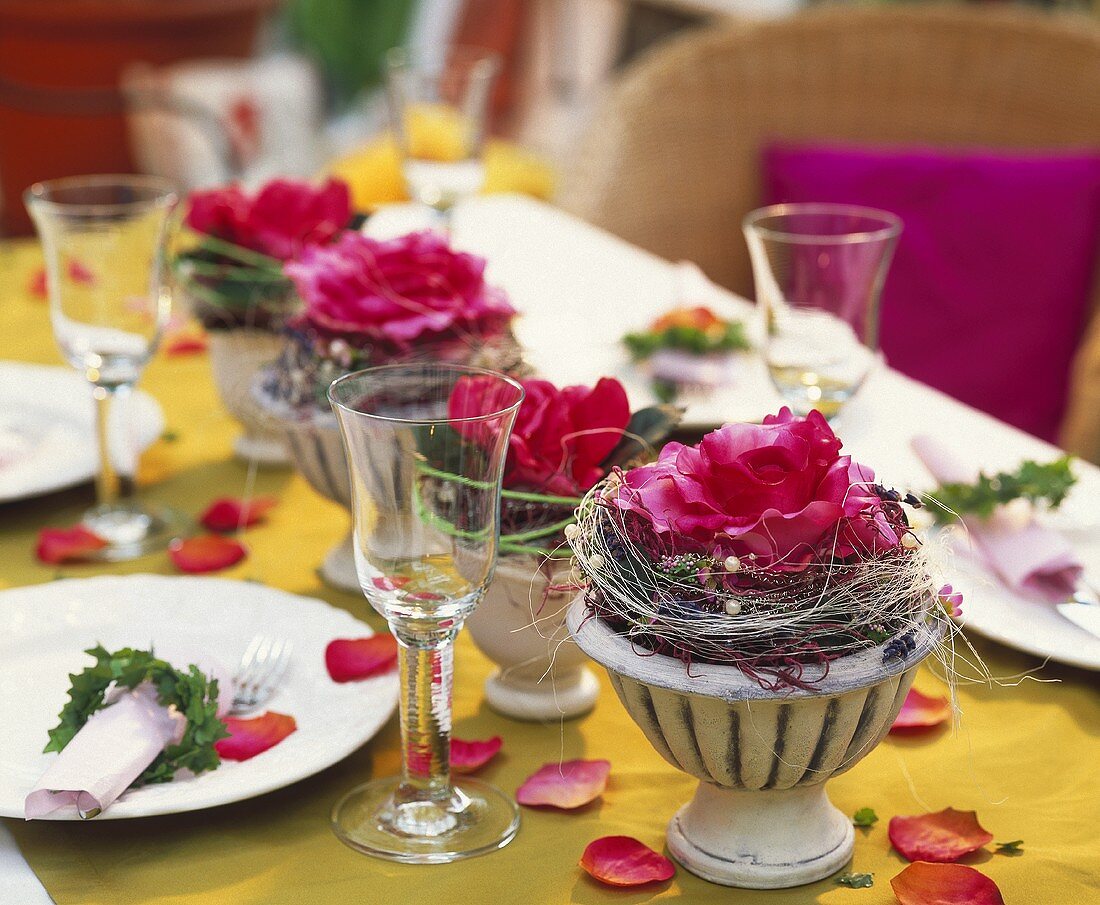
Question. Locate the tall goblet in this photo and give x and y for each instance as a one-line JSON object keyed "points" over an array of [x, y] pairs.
{"points": [[425, 472], [104, 240], [439, 113], [819, 270]]}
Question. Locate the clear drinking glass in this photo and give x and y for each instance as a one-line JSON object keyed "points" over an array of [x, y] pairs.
{"points": [[439, 113], [819, 270], [426, 504], [104, 239]]}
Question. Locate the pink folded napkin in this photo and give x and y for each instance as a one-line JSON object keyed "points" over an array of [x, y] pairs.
{"points": [[1027, 558], [114, 747]]}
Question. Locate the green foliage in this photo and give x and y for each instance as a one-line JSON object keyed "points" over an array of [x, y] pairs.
{"points": [[687, 339], [644, 434], [190, 692], [856, 881], [1039, 483], [865, 817], [1010, 848]]}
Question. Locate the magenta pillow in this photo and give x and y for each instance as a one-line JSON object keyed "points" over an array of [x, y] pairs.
{"points": [[988, 294]]}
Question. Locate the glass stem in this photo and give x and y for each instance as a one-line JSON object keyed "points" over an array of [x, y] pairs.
{"points": [[426, 660], [114, 483]]}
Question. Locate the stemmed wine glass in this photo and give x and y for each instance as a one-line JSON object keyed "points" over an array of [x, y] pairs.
{"points": [[104, 240], [425, 481], [439, 114], [819, 271]]}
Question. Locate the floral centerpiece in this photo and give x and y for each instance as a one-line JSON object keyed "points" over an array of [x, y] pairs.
{"points": [[565, 441], [365, 303], [761, 604], [233, 277]]}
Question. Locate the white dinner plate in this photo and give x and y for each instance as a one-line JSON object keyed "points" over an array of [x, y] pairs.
{"points": [[1016, 620], [44, 630], [47, 439]]}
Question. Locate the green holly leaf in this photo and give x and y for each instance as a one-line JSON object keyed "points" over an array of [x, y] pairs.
{"points": [[1010, 848], [1047, 483], [865, 817], [856, 881]]}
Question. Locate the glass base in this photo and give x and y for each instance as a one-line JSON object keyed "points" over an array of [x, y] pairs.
{"points": [[132, 530], [479, 818]]}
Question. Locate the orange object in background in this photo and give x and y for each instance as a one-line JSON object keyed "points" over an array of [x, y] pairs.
{"points": [[61, 62]]}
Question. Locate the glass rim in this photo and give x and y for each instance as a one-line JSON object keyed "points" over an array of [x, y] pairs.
{"points": [[892, 224], [402, 58], [459, 370], [162, 192]]}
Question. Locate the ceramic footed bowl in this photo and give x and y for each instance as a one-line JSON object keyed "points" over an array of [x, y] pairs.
{"points": [[760, 818], [520, 626], [236, 357]]}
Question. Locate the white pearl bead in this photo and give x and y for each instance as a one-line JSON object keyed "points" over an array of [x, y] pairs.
{"points": [[571, 531], [732, 564], [909, 541], [595, 562], [733, 607]]}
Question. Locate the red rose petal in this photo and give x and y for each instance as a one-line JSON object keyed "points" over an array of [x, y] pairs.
{"points": [[922, 883], [206, 553], [570, 784], [249, 737], [81, 273], [351, 659], [36, 285], [624, 861], [58, 545], [920, 712], [469, 757], [185, 344], [390, 582], [946, 835], [229, 513]]}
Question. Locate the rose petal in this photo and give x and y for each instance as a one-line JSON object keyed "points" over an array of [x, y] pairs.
{"points": [[469, 757], [946, 835], [81, 273], [567, 785], [58, 545], [36, 285], [624, 861], [249, 737], [206, 553], [230, 513], [390, 582], [919, 713], [352, 659], [185, 344], [922, 883]]}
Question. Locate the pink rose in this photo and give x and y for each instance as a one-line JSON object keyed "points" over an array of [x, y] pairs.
{"points": [[560, 436], [398, 293], [779, 491], [281, 220]]}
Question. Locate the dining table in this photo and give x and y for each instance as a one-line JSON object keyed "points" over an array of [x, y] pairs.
{"points": [[1023, 752]]}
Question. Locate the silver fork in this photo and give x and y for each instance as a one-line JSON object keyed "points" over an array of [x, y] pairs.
{"points": [[264, 662]]}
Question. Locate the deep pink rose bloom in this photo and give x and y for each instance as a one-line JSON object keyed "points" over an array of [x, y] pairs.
{"points": [[280, 220], [780, 491], [560, 436], [400, 292]]}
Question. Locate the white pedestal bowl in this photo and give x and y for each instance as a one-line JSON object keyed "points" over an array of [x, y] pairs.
{"points": [[760, 818], [236, 356]]}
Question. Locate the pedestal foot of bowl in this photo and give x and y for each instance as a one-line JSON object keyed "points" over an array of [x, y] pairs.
{"points": [[769, 839], [262, 450], [565, 695]]}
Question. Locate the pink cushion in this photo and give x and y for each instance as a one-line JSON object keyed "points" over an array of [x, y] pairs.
{"points": [[988, 294]]}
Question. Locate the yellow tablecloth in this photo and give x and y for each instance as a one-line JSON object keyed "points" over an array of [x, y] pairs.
{"points": [[1027, 756]]}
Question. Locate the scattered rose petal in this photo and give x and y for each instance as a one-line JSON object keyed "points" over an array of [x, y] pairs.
{"points": [[351, 659], [80, 273], [206, 553], [185, 344], [624, 861], [951, 600], [60, 545], [920, 712], [249, 737], [567, 785], [424, 595], [946, 835], [390, 582], [229, 513], [36, 285], [922, 883], [469, 757]]}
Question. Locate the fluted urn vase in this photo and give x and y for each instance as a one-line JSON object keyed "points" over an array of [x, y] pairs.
{"points": [[761, 818], [236, 357]]}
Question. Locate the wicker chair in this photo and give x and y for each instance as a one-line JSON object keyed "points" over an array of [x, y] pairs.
{"points": [[671, 162]]}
